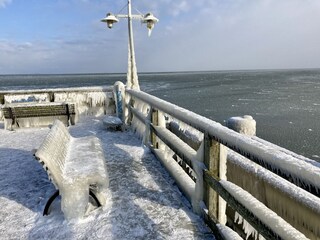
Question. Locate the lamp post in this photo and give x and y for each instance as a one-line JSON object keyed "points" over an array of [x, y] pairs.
{"points": [[150, 20]]}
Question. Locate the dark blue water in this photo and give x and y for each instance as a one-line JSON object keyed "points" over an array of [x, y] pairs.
{"points": [[285, 103]]}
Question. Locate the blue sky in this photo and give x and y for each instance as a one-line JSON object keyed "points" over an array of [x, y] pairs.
{"points": [[66, 36]]}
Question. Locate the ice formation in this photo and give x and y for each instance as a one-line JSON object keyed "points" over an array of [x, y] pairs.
{"points": [[137, 124], [244, 125], [34, 122], [268, 217], [89, 100], [192, 133], [143, 201], [182, 179], [88, 103], [276, 193], [74, 165], [132, 74], [32, 97], [112, 122], [193, 191], [119, 99], [228, 233], [164, 153], [302, 170], [247, 228]]}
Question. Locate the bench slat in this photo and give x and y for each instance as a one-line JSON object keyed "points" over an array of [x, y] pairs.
{"points": [[38, 111]]}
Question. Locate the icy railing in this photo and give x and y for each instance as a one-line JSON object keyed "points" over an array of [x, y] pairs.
{"points": [[88, 100], [199, 153]]}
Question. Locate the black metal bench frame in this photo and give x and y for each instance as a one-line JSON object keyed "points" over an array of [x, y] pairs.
{"points": [[57, 193]]}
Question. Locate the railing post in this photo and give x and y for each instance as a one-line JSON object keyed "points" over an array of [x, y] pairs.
{"points": [[157, 119], [215, 162], [155, 122], [1, 99], [119, 97], [245, 125], [128, 102]]}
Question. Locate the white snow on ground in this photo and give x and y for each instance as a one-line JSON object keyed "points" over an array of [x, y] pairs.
{"points": [[144, 202]]}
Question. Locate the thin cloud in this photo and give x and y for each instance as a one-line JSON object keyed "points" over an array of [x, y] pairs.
{"points": [[180, 7], [239, 35], [4, 3]]}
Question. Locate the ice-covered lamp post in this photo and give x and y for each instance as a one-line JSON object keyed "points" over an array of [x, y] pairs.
{"points": [[150, 20]]}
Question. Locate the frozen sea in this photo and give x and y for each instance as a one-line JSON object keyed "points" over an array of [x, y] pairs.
{"points": [[285, 103]]}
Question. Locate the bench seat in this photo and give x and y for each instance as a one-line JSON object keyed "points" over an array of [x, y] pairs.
{"points": [[76, 166]]}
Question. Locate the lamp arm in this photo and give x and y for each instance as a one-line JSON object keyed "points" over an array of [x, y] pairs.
{"points": [[133, 16]]}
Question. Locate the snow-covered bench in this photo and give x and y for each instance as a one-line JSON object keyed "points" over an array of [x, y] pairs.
{"points": [[112, 122], [33, 114], [76, 166]]}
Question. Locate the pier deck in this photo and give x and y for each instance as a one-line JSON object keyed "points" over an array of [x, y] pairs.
{"points": [[144, 202]]}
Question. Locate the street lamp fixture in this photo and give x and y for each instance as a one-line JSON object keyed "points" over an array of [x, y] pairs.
{"points": [[150, 20], [110, 20]]}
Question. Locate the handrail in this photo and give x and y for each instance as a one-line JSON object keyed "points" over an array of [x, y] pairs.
{"points": [[51, 91], [244, 145], [151, 111]]}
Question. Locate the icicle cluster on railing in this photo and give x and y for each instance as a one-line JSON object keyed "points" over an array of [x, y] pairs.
{"points": [[41, 97], [194, 150], [88, 100]]}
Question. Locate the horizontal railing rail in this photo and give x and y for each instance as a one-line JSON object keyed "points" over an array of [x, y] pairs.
{"points": [[88, 100], [301, 171], [150, 116], [51, 91]]}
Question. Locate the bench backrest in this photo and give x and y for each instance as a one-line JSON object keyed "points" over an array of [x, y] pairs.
{"points": [[37, 110], [54, 151]]}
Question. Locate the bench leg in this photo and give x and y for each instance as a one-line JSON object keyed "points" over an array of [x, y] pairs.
{"points": [[74, 201], [56, 194], [95, 198], [99, 189], [51, 199]]}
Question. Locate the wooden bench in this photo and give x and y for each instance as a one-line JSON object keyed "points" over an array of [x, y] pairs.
{"points": [[76, 167], [35, 114]]}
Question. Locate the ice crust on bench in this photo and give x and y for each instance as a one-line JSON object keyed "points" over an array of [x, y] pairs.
{"points": [[74, 165], [112, 122]]}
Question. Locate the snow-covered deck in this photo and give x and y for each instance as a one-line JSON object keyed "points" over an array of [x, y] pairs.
{"points": [[144, 202]]}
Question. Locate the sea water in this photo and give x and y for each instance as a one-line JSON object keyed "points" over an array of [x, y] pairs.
{"points": [[285, 103]]}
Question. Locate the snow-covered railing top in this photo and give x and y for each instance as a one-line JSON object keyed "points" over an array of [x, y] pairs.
{"points": [[51, 91], [302, 171], [88, 100]]}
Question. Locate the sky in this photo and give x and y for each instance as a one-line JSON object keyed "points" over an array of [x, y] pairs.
{"points": [[66, 36]]}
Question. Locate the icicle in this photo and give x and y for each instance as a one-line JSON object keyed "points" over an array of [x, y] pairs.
{"points": [[39, 97], [247, 228], [87, 103]]}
